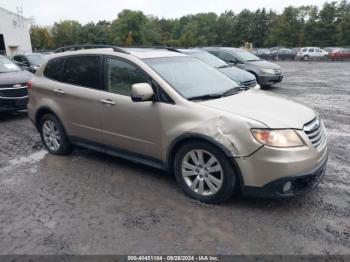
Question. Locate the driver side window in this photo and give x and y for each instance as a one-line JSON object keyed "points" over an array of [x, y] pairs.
{"points": [[228, 58]]}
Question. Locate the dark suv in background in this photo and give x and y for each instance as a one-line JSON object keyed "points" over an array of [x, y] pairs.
{"points": [[30, 62], [266, 73], [13, 86], [242, 77]]}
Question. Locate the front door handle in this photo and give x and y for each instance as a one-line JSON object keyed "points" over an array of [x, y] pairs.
{"points": [[59, 91], [107, 102]]}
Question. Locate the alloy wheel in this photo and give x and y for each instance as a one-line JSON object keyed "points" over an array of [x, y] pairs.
{"points": [[202, 172], [51, 135]]}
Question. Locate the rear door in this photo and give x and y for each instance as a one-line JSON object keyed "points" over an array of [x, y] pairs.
{"points": [[127, 125], [78, 96]]}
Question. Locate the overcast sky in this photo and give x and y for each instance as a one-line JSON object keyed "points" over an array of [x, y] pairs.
{"points": [[46, 12]]}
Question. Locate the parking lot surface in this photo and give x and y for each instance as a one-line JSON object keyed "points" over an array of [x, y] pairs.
{"points": [[91, 203]]}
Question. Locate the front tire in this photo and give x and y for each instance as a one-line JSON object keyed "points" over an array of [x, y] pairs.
{"points": [[53, 135], [204, 173]]}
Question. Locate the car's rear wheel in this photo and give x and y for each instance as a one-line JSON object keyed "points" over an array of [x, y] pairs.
{"points": [[204, 172], [53, 135]]}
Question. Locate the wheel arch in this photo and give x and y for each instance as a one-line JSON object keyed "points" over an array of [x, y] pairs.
{"points": [[190, 137], [43, 111]]}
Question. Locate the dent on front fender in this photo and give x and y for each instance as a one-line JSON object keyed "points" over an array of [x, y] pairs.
{"points": [[233, 134]]}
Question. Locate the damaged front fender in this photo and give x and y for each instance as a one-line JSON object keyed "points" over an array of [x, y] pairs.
{"points": [[231, 134]]}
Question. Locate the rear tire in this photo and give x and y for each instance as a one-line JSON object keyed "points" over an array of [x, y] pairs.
{"points": [[54, 136], [204, 172]]}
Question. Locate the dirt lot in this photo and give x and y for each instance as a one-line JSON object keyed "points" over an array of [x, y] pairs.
{"points": [[90, 203]]}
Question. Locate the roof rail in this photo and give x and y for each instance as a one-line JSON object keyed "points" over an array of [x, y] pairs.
{"points": [[81, 47], [167, 48]]}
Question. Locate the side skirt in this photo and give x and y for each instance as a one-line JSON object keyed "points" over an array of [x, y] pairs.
{"points": [[124, 154]]}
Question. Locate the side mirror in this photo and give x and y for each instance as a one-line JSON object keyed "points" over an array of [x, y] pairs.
{"points": [[141, 92]]}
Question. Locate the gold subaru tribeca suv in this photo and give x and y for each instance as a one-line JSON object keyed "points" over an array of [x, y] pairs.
{"points": [[171, 111]]}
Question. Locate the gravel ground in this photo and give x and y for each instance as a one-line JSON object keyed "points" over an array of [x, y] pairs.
{"points": [[90, 203]]}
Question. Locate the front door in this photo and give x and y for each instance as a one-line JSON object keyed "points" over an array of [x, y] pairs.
{"points": [[128, 125]]}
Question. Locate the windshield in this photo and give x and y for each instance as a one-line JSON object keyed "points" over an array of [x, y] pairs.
{"points": [[191, 77], [246, 56], [36, 59], [209, 59], [7, 66]]}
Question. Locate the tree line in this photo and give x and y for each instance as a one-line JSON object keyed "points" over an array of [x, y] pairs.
{"points": [[294, 27]]}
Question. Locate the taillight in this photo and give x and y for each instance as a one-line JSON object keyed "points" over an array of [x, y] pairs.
{"points": [[29, 84]]}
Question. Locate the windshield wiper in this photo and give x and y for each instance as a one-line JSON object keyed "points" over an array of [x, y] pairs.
{"points": [[232, 91], [205, 97]]}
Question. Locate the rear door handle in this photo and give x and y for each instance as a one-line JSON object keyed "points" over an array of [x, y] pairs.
{"points": [[107, 102], [59, 91]]}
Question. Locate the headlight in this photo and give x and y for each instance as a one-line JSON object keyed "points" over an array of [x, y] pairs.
{"points": [[36, 67], [278, 137], [268, 71]]}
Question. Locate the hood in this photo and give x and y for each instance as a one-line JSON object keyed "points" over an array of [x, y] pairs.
{"points": [[13, 78], [237, 74], [272, 110], [264, 64]]}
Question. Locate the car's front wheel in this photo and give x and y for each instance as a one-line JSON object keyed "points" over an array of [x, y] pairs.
{"points": [[53, 135], [204, 172]]}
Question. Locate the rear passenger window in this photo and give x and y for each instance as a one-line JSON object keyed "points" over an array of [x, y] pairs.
{"points": [[82, 71], [53, 69], [120, 76]]}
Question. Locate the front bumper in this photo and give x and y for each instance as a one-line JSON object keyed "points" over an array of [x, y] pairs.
{"points": [[7, 105], [270, 80], [299, 184]]}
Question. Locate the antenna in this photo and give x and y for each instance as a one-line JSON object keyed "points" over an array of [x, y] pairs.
{"points": [[20, 16]]}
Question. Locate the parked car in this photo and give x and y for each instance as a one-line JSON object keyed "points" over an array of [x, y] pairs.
{"points": [[339, 54], [283, 54], [307, 53], [242, 77], [262, 53], [266, 73], [296, 50], [13, 86], [174, 112], [330, 49], [30, 62]]}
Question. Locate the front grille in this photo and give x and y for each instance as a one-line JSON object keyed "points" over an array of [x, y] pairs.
{"points": [[250, 83], [278, 71], [10, 92], [316, 132]]}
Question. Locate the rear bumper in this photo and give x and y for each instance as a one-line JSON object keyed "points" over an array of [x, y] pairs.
{"points": [[270, 80], [7, 105]]}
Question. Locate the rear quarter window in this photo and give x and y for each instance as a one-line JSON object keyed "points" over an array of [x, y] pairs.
{"points": [[82, 71], [53, 69]]}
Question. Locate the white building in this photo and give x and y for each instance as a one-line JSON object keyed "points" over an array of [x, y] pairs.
{"points": [[14, 33]]}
